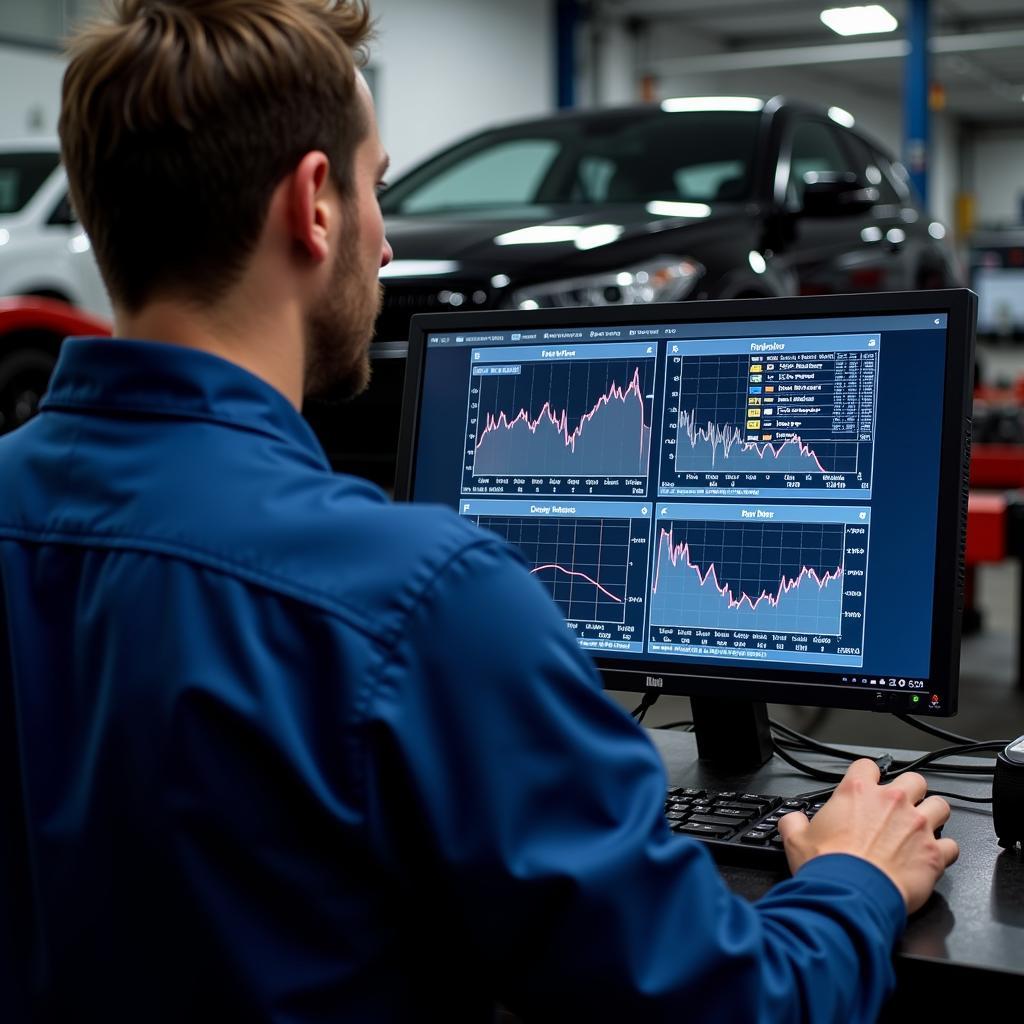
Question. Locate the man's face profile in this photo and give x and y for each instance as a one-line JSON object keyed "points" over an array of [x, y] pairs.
{"points": [[340, 327]]}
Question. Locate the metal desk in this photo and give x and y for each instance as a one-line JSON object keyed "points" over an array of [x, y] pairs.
{"points": [[966, 945]]}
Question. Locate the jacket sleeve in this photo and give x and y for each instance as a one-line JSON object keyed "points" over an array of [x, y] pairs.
{"points": [[532, 812]]}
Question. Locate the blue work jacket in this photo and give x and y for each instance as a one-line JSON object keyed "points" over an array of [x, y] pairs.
{"points": [[273, 748]]}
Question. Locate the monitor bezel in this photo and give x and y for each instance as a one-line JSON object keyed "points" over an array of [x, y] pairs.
{"points": [[960, 307]]}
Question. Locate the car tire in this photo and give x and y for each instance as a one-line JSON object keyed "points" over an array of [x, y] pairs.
{"points": [[24, 377]]}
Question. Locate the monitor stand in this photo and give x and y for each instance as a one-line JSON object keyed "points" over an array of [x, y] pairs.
{"points": [[731, 734]]}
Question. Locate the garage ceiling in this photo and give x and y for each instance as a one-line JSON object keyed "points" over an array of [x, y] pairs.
{"points": [[978, 46]]}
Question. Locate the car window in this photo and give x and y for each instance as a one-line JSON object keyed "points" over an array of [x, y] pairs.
{"points": [[896, 175], [870, 168], [816, 148], [21, 174], [63, 213], [593, 177], [505, 174], [621, 157], [705, 182]]}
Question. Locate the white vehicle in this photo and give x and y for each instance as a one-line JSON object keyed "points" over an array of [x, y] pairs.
{"points": [[43, 249]]}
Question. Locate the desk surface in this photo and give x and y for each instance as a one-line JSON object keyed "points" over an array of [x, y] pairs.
{"points": [[975, 919]]}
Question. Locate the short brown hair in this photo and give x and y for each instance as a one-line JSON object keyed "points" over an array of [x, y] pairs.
{"points": [[180, 117]]}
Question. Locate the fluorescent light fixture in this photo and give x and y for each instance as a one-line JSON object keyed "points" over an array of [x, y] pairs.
{"points": [[418, 268], [500, 280], [859, 21], [5, 236], [79, 243], [684, 104], [666, 208], [840, 116], [871, 234], [936, 230], [757, 262]]}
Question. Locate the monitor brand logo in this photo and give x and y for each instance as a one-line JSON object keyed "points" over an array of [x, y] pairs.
{"points": [[655, 682]]}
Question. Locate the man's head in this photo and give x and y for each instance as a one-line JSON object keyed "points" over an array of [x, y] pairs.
{"points": [[198, 132]]}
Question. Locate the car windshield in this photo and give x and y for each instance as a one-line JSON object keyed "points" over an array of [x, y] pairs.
{"points": [[622, 157], [21, 174]]}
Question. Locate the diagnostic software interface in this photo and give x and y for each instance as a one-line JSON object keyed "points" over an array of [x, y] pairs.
{"points": [[721, 493]]}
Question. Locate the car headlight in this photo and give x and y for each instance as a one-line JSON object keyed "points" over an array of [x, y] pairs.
{"points": [[661, 279]]}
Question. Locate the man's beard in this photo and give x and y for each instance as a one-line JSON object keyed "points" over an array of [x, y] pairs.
{"points": [[338, 334]]}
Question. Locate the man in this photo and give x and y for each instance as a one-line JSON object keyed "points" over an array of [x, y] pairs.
{"points": [[268, 756]]}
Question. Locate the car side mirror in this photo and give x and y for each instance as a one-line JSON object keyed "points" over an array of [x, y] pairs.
{"points": [[836, 195], [63, 213]]}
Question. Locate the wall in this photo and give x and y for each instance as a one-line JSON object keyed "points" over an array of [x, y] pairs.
{"points": [[997, 159], [29, 92], [443, 69]]}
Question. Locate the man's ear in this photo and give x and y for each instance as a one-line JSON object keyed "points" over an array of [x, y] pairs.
{"points": [[309, 207]]}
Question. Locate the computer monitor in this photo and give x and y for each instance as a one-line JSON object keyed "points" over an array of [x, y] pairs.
{"points": [[740, 501]]}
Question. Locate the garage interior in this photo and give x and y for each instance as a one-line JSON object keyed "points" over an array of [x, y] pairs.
{"points": [[942, 89]]}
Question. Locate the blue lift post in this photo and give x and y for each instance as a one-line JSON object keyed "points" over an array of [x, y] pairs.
{"points": [[915, 97], [567, 15]]}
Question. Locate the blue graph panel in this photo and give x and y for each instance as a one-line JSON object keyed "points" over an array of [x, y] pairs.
{"points": [[769, 425], [595, 569], [551, 423], [767, 578]]}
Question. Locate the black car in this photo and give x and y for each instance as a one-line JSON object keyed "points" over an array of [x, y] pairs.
{"points": [[715, 197]]}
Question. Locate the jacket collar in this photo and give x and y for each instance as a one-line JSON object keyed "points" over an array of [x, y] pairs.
{"points": [[111, 376]]}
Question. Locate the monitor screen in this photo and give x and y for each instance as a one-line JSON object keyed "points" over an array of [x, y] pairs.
{"points": [[755, 499]]}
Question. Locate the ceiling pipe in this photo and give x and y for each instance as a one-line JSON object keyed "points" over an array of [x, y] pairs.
{"points": [[834, 53]]}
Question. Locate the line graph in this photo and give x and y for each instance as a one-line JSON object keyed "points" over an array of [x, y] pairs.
{"points": [[713, 447], [578, 575], [577, 418], [583, 562], [760, 577]]}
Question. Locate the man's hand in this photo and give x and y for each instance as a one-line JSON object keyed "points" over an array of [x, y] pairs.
{"points": [[891, 826]]}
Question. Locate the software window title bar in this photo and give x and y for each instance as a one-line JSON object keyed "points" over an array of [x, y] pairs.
{"points": [[748, 329]]}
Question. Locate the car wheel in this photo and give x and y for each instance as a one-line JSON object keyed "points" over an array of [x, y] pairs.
{"points": [[24, 377]]}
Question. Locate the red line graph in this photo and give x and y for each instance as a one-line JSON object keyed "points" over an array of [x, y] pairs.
{"points": [[560, 419], [582, 575], [729, 435], [681, 552]]}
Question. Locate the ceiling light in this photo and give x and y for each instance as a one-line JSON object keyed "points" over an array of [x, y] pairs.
{"points": [[684, 104], [859, 21]]}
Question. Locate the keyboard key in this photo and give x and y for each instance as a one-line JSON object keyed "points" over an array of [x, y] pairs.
{"points": [[694, 828], [755, 835], [732, 811], [750, 809], [770, 802], [686, 792], [715, 819]]}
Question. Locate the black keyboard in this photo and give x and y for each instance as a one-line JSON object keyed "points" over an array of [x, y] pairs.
{"points": [[738, 828]]}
